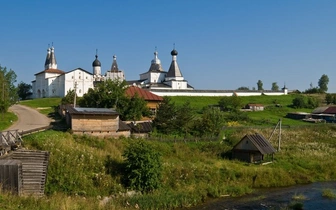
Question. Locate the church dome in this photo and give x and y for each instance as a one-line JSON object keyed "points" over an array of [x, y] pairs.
{"points": [[156, 60], [96, 62], [173, 52]]}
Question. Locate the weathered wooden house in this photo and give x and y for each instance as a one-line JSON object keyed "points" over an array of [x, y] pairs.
{"points": [[101, 122], [252, 148]]}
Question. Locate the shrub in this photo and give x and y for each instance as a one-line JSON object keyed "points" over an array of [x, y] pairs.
{"points": [[143, 167]]}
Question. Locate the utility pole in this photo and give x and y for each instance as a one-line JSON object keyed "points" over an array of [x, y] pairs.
{"points": [[3, 99], [279, 139], [75, 87]]}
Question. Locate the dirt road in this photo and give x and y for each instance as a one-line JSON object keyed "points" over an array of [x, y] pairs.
{"points": [[28, 118]]}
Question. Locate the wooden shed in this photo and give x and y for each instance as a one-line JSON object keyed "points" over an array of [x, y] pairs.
{"points": [[252, 148], [101, 122]]}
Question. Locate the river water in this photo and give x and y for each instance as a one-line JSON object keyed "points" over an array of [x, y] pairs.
{"points": [[280, 198]]}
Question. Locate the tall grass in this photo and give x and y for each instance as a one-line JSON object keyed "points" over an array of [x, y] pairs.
{"points": [[83, 170], [43, 105], [7, 120]]}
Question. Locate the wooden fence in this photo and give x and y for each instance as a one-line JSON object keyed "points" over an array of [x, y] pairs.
{"points": [[24, 172], [9, 140]]}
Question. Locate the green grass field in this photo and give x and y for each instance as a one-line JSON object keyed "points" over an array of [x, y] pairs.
{"points": [[7, 120], [43, 105], [269, 116], [193, 172]]}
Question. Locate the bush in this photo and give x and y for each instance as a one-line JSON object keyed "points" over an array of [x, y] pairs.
{"points": [[143, 167]]}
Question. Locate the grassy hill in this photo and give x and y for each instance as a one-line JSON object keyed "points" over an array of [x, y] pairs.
{"points": [[84, 170], [277, 107]]}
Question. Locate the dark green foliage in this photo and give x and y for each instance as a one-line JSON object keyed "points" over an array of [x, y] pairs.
{"points": [[134, 108], [260, 85], [299, 102], [312, 103], [312, 90], [165, 116], [237, 115], [24, 90], [329, 98], [230, 103], [69, 97], [211, 122], [184, 118], [143, 167], [243, 88], [323, 83], [275, 86], [107, 94], [111, 94], [172, 119], [8, 92]]}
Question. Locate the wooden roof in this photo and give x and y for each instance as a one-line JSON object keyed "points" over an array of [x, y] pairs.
{"points": [[141, 127], [260, 142], [146, 95]]}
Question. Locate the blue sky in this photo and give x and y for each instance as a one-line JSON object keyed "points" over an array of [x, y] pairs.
{"points": [[222, 44]]}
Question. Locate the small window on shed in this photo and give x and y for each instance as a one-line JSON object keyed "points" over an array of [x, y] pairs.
{"points": [[246, 142]]}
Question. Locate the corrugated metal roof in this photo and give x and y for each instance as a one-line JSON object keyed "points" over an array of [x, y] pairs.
{"points": [[146, 95], [330, 110], [319, 110], [261, 143], [91, 111]]}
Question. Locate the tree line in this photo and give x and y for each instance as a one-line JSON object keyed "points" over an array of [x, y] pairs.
{"points": [[321, 88]]}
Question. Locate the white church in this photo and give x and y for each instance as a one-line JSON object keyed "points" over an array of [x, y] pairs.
{"points": [[52, 82]]}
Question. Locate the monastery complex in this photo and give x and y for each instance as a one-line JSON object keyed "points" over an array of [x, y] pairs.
{"points": [[53, 82]]}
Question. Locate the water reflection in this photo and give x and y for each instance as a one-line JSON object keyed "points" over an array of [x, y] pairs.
{"points": [[309, 196]]}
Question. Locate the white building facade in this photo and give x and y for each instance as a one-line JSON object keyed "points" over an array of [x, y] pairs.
{"points": [[52, 82]]}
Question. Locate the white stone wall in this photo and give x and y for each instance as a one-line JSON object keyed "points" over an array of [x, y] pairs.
{"points": [[177, 84], [115, 75], [207, 93], [80, 78], [153, 77]]}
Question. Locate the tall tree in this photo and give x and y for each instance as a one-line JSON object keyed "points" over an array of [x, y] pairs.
{"points": [[164, 121], [230, 103], [135, 108], [323, 83], [260, 85], [211, 122], [8, 91], [69, 97], [107, 94], [24, 90], [275, 86], [111, 94]]}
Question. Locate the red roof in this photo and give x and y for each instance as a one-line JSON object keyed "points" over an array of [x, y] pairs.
{"points": [[148, 96], [330, 110], [55, 71]]}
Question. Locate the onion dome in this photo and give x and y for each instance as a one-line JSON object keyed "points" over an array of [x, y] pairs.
{"points": [[173, 52], [96, 62]]}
